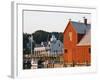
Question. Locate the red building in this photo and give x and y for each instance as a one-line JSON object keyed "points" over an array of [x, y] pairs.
{"points": [[77, 46]]}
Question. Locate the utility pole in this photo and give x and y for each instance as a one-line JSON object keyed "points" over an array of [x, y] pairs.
{"points": [[31, 43]]}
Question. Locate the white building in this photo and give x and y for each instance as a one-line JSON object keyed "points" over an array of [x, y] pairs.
{"points": [[56, 46]]}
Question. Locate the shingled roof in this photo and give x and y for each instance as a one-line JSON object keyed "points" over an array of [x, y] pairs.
{"points": [[86, 40], [81, 28]]}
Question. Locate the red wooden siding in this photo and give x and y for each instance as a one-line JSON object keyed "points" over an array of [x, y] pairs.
{"points": [[74, 54]]}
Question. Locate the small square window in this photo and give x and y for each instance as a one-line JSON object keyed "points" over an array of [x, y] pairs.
{"points": [[65, 50]]}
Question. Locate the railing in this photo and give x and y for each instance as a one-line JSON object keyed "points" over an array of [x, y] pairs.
{"points": [[54, 59]]}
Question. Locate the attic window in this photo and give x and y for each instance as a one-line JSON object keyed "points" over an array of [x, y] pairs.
{"points": [[70, 36], [89, 50]]}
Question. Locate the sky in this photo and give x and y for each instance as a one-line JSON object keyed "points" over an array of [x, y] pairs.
{"points": [[50, 21]]}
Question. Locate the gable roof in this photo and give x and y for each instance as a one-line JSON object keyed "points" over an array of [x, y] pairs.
{"points": [[86, 40], [81, 28]]}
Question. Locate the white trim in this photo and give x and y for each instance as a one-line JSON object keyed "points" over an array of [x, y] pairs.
{"points": [[14, 68], [17, 70]]}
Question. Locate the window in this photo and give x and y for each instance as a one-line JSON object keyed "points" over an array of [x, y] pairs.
{"points": [[89, 50], [70, 36], [65, 50], [59, 45]]}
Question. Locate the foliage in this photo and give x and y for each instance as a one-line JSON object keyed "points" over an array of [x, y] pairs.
{"points": [[38, 37]]}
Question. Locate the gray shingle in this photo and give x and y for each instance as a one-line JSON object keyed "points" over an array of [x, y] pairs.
{"points": [[81, 28], [86, 40]]}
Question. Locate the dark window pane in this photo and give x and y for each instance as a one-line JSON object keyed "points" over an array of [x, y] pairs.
{"points": [[65, 50]]}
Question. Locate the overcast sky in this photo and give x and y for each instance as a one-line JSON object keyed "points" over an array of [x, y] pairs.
{"points": [[50, 21]]}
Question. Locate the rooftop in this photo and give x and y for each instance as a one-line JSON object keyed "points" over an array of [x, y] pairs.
{"points": [[86, 40], [81, 28]]}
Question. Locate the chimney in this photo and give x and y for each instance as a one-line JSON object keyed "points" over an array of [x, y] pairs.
{"points": [[85, 20]]}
